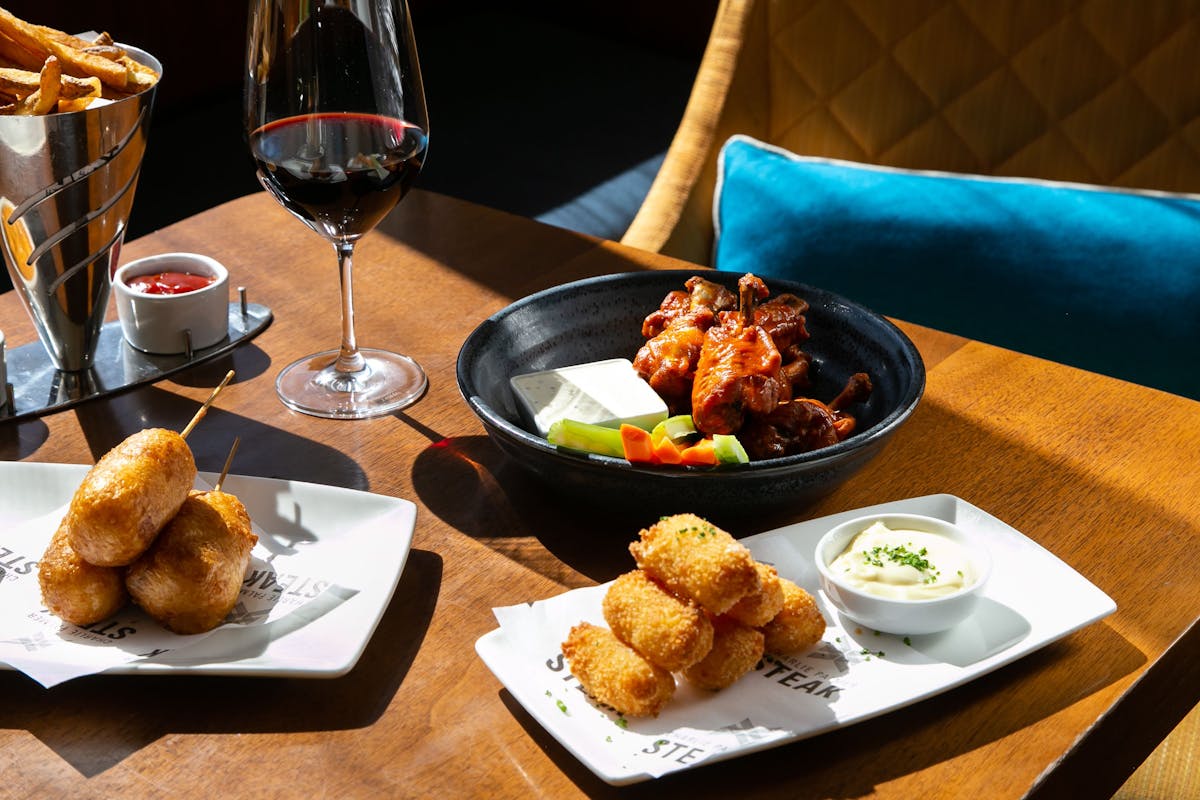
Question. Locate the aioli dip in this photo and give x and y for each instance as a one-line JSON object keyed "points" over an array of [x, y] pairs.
{"points": [[904, 564]]}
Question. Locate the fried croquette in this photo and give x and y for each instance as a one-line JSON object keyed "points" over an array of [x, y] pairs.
{"points": [[669, 632], [736, 650], [128, 496], [191, 576], [798, 626], [697, 560], [74, 590], [615, 674], [759, 608]]}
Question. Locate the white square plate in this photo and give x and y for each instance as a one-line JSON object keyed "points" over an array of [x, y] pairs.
{"points": [[1032, 599], [362, 541]]}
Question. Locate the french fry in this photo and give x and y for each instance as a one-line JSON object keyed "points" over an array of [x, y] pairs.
{"points": [[87, 69], [82, 64], [18, 55], [73, 61], [22, 83], [79, 103], [62, 36], [45, 98], [111, 52]]}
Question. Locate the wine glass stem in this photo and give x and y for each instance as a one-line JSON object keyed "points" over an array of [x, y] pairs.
{"points": [[349, 359]]}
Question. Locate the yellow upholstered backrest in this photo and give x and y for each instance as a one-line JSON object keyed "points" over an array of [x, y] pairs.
{"points": [[1095, 91]]}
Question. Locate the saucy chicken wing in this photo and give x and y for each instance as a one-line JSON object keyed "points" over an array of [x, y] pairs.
{"points": [[675, 334], [739, 372], [804, 424], [701, 293]]}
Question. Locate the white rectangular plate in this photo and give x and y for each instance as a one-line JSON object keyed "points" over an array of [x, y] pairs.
{"points": [[323, 639], [1032, 599]]}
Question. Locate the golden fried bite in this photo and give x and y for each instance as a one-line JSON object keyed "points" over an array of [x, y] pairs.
{"points": [[615, 674], [669, 632], [74, 590], [759, 608], [697, 560], [128, 496], [798, 626], [736, 650], [190, 577]]}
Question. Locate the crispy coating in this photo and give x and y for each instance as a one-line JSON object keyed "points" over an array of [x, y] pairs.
{"points": [[128, 496], [190, 577], [697, 560], [798, 626], [614, 674], [669, 632], [736, 650], [74, 590], [761, 607]]}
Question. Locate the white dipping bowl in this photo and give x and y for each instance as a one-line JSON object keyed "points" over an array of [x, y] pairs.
{"points": [[898, 615], [163, 323]]}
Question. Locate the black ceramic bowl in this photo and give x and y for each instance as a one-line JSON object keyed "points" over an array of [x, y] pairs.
{"points": [[601, 318]]}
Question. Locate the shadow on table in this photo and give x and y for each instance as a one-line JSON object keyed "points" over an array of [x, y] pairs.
{"points": [[94, 723], [536, 258], [476, 489], [265, 451], [472, 487]]}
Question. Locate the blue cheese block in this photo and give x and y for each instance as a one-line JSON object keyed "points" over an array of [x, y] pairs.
{"points": [[602, 393]]}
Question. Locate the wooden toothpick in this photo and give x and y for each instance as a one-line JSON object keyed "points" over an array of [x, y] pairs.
{"points": [[204, 408], [228, 462]]}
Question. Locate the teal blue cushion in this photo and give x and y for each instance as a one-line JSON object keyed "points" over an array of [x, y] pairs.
{"points": [[1102, 279]]}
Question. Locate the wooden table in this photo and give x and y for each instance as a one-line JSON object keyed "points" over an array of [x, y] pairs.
{"points": [[1100, 472]]}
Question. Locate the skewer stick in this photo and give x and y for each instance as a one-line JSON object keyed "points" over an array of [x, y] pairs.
{"points": [[228, 461], [204, 408]]}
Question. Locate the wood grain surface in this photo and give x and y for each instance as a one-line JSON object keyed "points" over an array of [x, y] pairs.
{"points": [[1100, 472]]}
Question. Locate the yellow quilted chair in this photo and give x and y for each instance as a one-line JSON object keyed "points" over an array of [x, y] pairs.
{"points": [[1090, 91]]}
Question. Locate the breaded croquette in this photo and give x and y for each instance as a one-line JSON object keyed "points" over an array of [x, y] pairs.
{"points": [[128, 496], [798, 626], [761, 607], [736, 650], [669, 632], [74, 590], [697, 560], [614, 674], [190, 578]]}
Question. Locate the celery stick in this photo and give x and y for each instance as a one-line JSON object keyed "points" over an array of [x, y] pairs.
{"points": [[729, 450], [587, 437], [676, 428]]}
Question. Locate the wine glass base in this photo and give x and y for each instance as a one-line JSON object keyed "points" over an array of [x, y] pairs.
{"points": [[388, 382]]}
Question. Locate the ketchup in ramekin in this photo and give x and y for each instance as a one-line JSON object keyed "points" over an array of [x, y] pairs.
{"points": [[170, 282], [172, 302]]}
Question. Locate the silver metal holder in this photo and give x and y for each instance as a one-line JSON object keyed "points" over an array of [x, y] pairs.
{"points": [[67, 183], [37, 387]]}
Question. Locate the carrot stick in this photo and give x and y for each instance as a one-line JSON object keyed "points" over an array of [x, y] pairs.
{"points": [[665, 451], [638, 446], [701, 454]]}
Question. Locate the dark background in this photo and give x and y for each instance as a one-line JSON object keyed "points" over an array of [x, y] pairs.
{"points": [[531, 104]]}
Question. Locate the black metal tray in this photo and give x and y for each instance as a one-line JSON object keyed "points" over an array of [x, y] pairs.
{"points": [[35, 387]]}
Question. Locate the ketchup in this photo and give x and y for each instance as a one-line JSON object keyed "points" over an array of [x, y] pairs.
{"points": [[169, 282]]}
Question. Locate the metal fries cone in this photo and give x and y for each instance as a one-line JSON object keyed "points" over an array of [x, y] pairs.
{"points": [[67, 182]]}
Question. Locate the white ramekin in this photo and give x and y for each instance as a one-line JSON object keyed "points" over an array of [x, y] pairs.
{"points": [[164, 323]]}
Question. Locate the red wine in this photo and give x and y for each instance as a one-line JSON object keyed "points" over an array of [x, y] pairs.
{"points": [[340, 173]]}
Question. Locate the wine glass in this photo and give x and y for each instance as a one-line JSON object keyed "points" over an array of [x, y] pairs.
{"points": [[336, 122]]}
